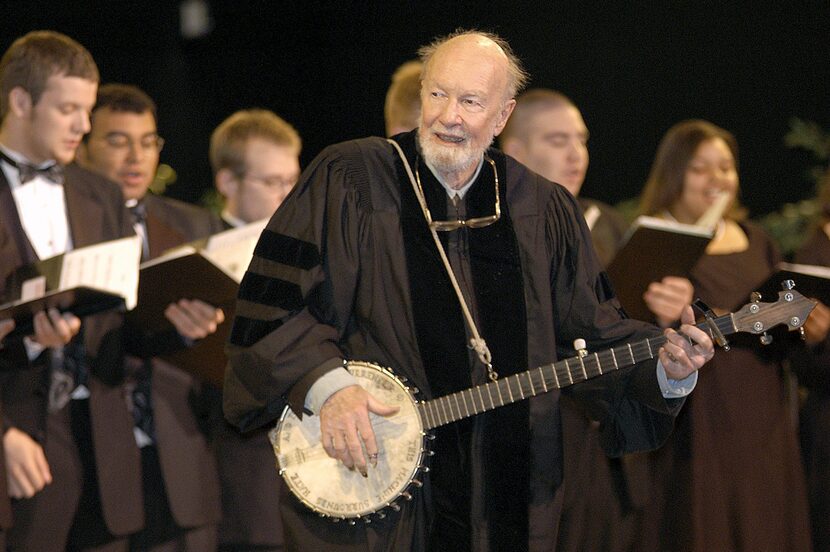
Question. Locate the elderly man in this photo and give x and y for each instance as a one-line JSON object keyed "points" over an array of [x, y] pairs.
{"points": [[357, 275]]}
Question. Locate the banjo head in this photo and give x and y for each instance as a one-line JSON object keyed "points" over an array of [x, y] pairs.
{"points": [[324, 484]]}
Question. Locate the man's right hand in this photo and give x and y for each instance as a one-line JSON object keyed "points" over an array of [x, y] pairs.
{"points": [[54, 329], [345, 427], [26, 467]]}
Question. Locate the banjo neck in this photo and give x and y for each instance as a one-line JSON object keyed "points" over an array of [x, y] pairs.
{"points": [[756, 317], [548, 377]]}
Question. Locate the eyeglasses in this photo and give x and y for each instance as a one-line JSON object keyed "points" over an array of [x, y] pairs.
{"points": [[450, 225], [271, 182], [151, 142]]}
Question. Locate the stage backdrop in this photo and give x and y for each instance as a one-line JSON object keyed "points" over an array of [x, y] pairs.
{"points": [[324, 66]]}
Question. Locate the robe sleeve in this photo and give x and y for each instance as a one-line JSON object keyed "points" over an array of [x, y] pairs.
{"points": [[295, 300], [632, 412]]}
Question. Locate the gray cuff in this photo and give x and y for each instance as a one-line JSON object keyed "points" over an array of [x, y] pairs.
{"points": [[674, 389], [327, 385], [33, 348]]}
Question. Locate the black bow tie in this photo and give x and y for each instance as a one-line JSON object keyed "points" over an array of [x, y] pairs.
{"points": [[27, 172], [139, 213]]}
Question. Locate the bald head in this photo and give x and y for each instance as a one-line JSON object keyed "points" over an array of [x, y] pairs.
{"points": [[547, 134], [465, 102], [483, 43]]}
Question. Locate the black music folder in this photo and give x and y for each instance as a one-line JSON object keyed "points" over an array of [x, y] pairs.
{"points": [[80, 301], [184, 274], [654, 248], [209, 270], [84, 281], [810, 280]]}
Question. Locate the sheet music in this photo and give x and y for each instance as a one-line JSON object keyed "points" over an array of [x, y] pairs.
{"points": [[233, 249], [110, 266]]}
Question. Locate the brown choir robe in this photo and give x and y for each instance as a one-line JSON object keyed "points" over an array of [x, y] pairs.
{"points": [[730, 476], [346, 268], [812, 364]]}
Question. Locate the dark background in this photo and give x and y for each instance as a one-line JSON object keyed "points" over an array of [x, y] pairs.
{"points": [[325, 66]]}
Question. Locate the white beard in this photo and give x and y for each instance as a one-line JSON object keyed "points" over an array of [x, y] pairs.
{"points": [[449, 160]]}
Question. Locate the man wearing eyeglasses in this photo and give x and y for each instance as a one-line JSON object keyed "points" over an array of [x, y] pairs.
{"points": [[359, 263], [254, 154], [181, 492]]}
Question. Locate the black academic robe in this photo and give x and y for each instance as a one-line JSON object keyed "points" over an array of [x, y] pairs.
{"points": [[336, 274], [608, 229]]}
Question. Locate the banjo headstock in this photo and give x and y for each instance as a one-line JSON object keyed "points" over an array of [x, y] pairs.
{"points": [[791, 309]]}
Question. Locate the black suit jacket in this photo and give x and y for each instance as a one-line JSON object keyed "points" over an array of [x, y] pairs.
{"points": [[96, 213], [187, 462]]}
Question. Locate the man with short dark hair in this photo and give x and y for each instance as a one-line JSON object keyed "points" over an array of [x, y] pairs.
{"points": [[180, 482], [350, 268], [605, 496], [70, 455]]}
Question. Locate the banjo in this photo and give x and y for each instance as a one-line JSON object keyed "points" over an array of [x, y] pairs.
{"points": [[327, 487]]}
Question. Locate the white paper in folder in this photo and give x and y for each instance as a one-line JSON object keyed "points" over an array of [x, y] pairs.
{"points": [[110, 266]]}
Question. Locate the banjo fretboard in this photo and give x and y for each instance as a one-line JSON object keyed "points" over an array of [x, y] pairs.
{"points": [[524, 385]]}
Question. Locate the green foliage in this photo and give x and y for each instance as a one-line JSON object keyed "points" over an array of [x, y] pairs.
{"points": [[213, 201], [789, 225], [628, 208]]}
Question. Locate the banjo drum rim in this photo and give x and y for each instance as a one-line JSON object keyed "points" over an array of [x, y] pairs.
{"points": [[402, 491]]}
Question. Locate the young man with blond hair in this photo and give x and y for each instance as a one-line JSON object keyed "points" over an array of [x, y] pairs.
{"points": [[255, 158]]}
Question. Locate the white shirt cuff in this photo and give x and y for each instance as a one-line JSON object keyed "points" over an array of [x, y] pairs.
{"points": [[674, 389], [33, 348], [328, 384]]}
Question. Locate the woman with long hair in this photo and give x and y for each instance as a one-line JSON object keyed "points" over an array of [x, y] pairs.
{"points": [[730, 476]]}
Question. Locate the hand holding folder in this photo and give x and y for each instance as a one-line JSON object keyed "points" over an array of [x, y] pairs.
{"points": [[82, 282]]}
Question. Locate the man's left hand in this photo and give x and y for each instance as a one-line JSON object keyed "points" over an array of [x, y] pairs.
{"points": [[680, 358], [194, 319]]}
